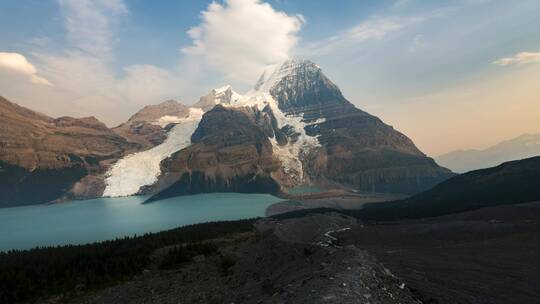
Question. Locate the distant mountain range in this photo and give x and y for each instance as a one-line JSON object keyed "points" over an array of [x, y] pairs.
{"points": [[524, 146], [294, 128]]}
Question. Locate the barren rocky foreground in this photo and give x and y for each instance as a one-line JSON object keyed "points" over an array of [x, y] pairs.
{"points": [[281, 261], [489, 255], [486, 256]]}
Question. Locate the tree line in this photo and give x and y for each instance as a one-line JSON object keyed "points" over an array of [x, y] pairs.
{"points": [[26, 275]]}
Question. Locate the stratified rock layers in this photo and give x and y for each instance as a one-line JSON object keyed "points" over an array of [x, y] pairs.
{"points": [[229, 153], [42, 159]]}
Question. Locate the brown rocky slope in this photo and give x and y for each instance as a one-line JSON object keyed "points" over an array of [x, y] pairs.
{"points": [[43, 159], [144, 128], [360, 150], [229, 153]]}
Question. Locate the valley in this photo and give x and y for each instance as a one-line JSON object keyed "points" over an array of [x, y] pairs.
{"points": [[483, 256], [269, 152]]}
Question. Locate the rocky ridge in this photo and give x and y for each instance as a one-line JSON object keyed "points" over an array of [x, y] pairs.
{"points": [[149, 126], [43, 159]]}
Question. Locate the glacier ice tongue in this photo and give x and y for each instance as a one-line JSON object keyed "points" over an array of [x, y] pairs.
{"points": [[136, 170]]}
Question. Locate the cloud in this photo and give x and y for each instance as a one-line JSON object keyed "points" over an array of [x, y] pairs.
{"points": [[240, 37], [519, 58], [85, 81], [89, 24], [401, 3], [375, 28], [90, 84], [18, 63]]}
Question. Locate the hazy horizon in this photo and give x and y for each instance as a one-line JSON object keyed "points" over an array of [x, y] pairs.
{"points": [[448, 76]]}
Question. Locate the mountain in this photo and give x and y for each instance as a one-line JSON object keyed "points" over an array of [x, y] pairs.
{"points": [[295, 117], [509, 183], [294, 128], [358, 149], [230, 152], [524, 146], [149, 126], [224, 95], [43, 159]]}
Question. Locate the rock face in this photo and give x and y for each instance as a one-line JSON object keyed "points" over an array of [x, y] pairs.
{"points": [[149, 126], [359, 149], [44, 159], [229, 153]]}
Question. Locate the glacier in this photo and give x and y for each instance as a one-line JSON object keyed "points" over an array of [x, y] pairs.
{"points": [[136, 170]]}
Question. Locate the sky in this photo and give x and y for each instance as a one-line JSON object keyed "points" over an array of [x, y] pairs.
{"points": [[456, 74]]}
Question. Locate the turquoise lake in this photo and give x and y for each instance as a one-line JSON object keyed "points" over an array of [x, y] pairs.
{"points": [[88, 221]]}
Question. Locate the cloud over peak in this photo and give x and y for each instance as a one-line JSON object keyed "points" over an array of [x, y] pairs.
{"points": [[88, 24], [240, 37]]}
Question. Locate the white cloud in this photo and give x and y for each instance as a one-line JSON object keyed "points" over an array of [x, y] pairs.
{"points": [[240, 37], [89, 82], [88, 23], [18, 63], [375, 28], [519, 58], [85, 82]]}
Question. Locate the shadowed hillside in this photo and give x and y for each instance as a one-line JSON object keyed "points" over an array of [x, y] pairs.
{"points": [[509, 183]]}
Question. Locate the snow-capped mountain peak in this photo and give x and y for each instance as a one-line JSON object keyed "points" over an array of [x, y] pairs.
{"points": [[225, 95], [222, 89], [289, 68]]}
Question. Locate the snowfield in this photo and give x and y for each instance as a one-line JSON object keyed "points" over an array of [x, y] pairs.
{"points": [[130, 173]]}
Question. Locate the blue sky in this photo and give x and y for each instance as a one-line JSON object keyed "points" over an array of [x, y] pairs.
{"points": [[443, 72]]}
